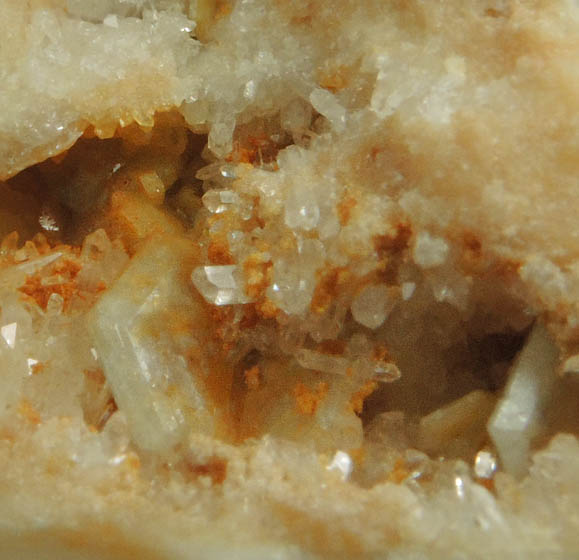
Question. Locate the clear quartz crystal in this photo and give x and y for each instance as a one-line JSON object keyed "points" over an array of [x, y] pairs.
{"points": [[217, 171], [30, 266], [386, 372], [294, 277], [218, 202], [372, 305], [31, 363], [322, 362], [518, 415], [301, 207], [8, 333], [342, 462], [220, 139], [219, 285], [485, 464], [326, 104], [137, 331]]}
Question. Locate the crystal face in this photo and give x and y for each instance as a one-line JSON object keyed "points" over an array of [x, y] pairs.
{"points": [[8, 333], [144, 353], [289, 279], [218, 285], [342, 463], [517, 417], [219, 201]]}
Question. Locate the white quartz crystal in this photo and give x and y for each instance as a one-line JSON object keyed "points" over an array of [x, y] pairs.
{"points": [[571, 365], [408, 289], [301, 208], [342, 462], [457, 427], [429, 251], [142, 345], [8, 333], [517, 417], [327, 104], [371, 305]]}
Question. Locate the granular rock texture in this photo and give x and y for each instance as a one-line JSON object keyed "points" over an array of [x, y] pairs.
{"points": [[289, 279]]}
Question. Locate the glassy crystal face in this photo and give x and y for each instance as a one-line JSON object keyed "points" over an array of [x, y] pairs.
{"points": [[219, 285], [517, 418], [143, 335]]}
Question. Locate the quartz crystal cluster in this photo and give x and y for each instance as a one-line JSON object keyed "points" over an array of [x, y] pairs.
{"points": [[289, 279]]}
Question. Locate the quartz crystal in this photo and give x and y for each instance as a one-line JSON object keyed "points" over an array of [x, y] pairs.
{"points": [[371, 306], [485, 464], [517, 418], [219, 201], [138, 334], [219, 284], [8, 333], [301, 208], [342, 463]]}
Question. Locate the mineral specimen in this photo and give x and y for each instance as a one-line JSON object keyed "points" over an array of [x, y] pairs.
{"points": [[289, 280]]}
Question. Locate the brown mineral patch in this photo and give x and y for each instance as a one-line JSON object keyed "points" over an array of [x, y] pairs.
{"points": [[241, 154], [38, 289], [333, 347], [215, 469], [102, 541], [218, 252], [308, 400], [29, 413], [388, 244], [334, 80], [257, 275], [472, 253], [251, 377], [266, 309], [37, 368], [472, 243], [96, 376], [110, 408], [494, 13], [250, 317], [257, 149], [487, 483], [390, 249], [399, 473], [358, 398], [345, 207], [506, 268], [327, 287]]}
